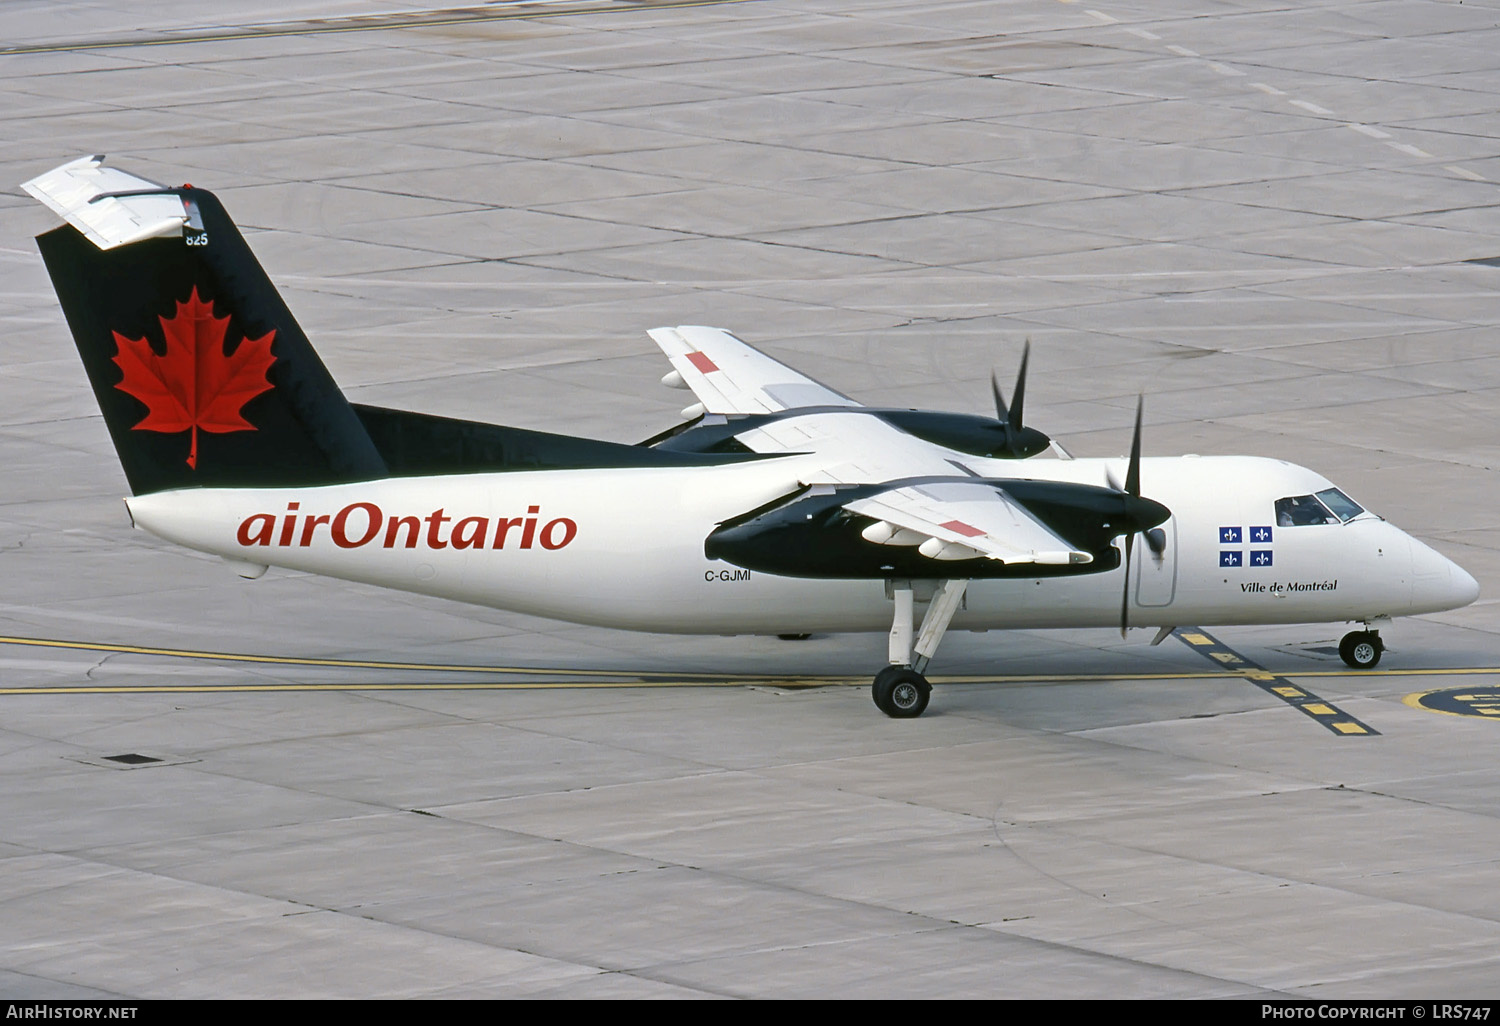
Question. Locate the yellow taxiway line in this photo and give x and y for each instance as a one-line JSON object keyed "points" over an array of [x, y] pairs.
{"points": [[357, 664], [583, 678], [378, 23]]}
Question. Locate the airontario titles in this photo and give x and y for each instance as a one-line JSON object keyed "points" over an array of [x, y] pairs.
{"points": [[361, 524]]}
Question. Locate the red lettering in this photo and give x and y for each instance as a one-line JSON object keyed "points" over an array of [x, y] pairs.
{"points": [[569, 531], [435, 519], [308, 526], [261, 536], [413, 526], [289, 524], [467, 533], [470, 532], [502, 527], [339, 530]]}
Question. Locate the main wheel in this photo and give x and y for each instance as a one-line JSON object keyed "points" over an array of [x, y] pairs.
{"points": [[1361, 649], [901, 692]]}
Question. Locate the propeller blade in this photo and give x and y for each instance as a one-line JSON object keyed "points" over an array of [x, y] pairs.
{"points": [[1019, 441], [1143, 515], [1001, 413], [1133, 474], [1020, 396]]}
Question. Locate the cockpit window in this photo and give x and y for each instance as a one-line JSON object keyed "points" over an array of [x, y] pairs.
{"points": [[1302, 511], [1330, 506], [1345, 508]]}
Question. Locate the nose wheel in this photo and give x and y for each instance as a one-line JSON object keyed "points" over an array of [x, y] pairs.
{"points": [[1360, 650]]}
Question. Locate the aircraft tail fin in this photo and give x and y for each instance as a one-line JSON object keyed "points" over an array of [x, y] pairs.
{"points": [[203, 375]]}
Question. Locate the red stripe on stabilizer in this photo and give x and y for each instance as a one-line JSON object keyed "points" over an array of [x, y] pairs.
{"points": [[962, 528], [702, 362]]}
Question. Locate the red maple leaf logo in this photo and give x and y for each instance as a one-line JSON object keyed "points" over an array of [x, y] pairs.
{"points": [[194, 384]]}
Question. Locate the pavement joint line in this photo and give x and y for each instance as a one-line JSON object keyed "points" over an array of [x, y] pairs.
{"points": [[515, 11]]}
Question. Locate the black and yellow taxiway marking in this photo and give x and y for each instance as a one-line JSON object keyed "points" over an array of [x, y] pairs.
{"points": [[1482, 703], [1324, 712], [374, 23]]}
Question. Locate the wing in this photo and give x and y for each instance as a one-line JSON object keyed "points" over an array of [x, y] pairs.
{"points": [[733, 379], [730, 377], [963, 520], [838, 442], [784, 411]]}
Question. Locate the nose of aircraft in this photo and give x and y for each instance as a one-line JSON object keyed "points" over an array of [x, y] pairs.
{"points": [[1438, 583]]}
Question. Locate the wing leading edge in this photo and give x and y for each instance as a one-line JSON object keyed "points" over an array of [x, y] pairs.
{"points": [[952, 520]]}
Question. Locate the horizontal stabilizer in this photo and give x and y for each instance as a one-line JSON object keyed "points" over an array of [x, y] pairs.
{"points": [[111, 208]]}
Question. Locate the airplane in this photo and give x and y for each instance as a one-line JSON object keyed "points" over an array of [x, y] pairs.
{"points": [[778, 505]]}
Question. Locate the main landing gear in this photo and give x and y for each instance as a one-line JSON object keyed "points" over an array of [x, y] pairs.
{"points": [[1360, 650], [900, 690]]}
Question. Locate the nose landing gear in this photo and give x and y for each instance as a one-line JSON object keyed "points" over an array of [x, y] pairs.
{"points": [[1361, 650]]}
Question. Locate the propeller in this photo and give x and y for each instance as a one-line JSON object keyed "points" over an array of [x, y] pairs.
{"points": [[1140, 515], [1020, 441]]}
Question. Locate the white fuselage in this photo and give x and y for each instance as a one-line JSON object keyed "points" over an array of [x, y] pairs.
{"points": [[624, 548]]}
